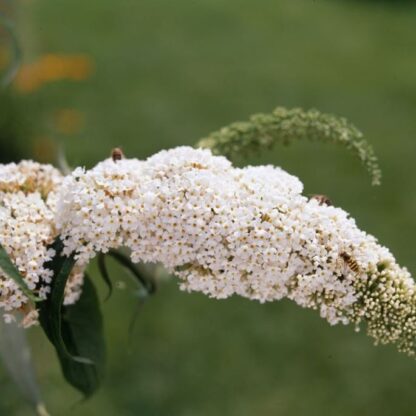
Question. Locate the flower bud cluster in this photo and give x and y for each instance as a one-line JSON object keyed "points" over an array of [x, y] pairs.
{"points": [[224, 231]]}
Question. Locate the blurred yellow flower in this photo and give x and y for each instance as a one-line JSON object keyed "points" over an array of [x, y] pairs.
{"points": [[53, 67], [44, 149], [68, 120]]}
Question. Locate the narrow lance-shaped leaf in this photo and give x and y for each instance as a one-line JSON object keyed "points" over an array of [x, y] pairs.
{"points": [[17, 359], [12, 271], [50, 312], [102, 267], [76, 330], [148, 284], [82, 331]]}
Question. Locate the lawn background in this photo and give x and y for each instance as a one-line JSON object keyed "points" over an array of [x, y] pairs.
{"points": [[168, 73]]}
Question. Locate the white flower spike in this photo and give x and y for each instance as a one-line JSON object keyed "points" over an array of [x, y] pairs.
{"points": [[224, 231]]}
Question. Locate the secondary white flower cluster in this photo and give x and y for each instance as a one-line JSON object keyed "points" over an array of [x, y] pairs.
{"points": [[28, 177], [250, 232], [27, 227]]}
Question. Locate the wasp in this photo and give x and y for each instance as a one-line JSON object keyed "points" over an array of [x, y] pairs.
{"points": [[350, 262], [117, 154], [322, 199]]}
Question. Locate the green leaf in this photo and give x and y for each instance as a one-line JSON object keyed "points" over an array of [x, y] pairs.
{"points": [[17, 359], [75, 331], [125, 261], [50, 311], [82, 330], [12, 271], [147, 285], [104, 273]]}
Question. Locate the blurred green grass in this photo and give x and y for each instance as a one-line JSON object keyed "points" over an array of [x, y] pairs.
{"points": [[168, 73]]}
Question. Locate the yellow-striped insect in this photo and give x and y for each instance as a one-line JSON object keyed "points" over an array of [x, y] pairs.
{"points": [[350, 262]]}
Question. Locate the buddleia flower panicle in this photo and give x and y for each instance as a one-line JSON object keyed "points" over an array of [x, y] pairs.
{"points": [[228, 231], [27, 212], [286, 125]]}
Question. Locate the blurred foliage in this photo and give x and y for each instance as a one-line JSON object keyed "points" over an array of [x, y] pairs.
{"points": [[393, 2], [11, 123], [168, 73], [11, 129], [10, 53]]}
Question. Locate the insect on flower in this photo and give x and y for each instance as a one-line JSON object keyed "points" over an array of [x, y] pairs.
{"points": [[117, 154], [322, 199], [350, 262], [196, 165]]}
